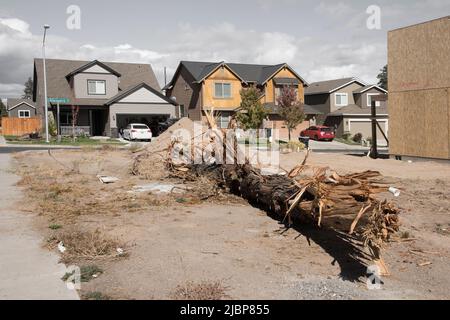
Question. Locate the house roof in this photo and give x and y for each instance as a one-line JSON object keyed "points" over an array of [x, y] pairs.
{"points": [[91, 64], [353, 109], [131, 90], [58, 85], [252, 73], [307, 109], [330, 86], [368, 87], [14, 103]]}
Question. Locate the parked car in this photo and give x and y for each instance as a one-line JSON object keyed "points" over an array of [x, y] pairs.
{"points": [[137, 131], [319, 133]]}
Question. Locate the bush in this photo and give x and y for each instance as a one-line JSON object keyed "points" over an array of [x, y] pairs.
{"points": [[357, 137]]}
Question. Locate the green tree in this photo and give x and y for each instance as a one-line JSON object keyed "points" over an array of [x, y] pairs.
{"points": [[252, 112], [383, 78], [28, 91], [291, 109], [3, 111]]}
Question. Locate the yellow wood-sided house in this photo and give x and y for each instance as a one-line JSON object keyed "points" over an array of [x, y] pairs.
{"points": [[200, 86]]}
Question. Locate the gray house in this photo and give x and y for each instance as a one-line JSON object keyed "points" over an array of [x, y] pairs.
{"points": [[20, 108], [108, 95], [346, 105]]}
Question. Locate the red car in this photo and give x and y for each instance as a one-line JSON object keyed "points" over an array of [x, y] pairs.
{"points": [[319, 133]]}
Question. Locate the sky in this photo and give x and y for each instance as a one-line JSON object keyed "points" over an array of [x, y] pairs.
{"points": [[321, 40]]}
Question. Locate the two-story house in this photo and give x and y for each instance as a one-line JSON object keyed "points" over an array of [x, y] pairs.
{"points": [[200, 86], [346, 105], [108, 95]]}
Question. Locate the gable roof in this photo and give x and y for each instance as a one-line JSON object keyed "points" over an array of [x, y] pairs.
{"points": [[58, 85], [14, 103], [330, 86], [130, 91], [249, 73], [368, 87], [353, 109], [91, 64]]}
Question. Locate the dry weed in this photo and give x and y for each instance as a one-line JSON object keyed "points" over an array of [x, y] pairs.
{"points": [[204, 290], [85, 245]]}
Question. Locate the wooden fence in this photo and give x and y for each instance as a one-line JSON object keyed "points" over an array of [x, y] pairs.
{"points": [[20, 126]]}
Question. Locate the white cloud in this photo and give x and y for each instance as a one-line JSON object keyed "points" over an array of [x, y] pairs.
{"points": [[311, 58]]}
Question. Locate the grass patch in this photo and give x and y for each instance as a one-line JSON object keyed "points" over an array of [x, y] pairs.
{"points": [[55, 226], [347, 141], [87, 273], [200, 291], [65, 141]]}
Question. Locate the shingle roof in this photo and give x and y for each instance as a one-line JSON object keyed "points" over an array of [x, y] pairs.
{"points": [[353, 109], [329, 85], [11, 103], [132, 74], [253, 73], [307, 109]]}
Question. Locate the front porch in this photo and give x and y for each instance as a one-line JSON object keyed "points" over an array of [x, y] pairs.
{"points": [[90, 121]]}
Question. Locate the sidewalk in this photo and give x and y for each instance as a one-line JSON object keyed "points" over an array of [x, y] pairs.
{"points": [[28, 271]]}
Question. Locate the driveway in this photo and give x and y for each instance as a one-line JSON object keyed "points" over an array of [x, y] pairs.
{"points": [[27, 270]]}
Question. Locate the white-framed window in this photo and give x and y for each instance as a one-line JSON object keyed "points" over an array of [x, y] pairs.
{"points": [[224, 119], [96, 87], [24, 114], [369, 100], [222, 90], [341, 99], [279, 90]]}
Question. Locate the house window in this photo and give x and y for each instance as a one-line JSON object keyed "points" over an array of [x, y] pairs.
{"points": [[279, 90], [222, 90], [65, 118], [224, 119], [341, 99], [182, 112], [369, 100], [24, 114], [96, 87]]}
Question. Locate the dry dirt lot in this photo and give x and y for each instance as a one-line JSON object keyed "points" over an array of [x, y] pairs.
{"points": [[192, 245]]}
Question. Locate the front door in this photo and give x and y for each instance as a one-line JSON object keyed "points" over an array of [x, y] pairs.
{"points": [[98, 122]]}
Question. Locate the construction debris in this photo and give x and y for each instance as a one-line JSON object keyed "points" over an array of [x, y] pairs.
{"points": [[159, 188]]}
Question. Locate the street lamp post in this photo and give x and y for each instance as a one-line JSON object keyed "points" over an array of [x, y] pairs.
{"points": [[45, 85]]}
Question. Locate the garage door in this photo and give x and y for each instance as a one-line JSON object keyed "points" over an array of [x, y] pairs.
{"points": [[364, 126], [151, 120]]}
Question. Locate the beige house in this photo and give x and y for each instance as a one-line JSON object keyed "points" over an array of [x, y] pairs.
{"points": [[345, 104], [199, 86]]}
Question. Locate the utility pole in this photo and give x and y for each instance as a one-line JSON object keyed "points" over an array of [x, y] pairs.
{"points": [[47, 139]]}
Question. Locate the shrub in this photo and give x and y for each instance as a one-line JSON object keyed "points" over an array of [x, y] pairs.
{"points": [[357, 137]]}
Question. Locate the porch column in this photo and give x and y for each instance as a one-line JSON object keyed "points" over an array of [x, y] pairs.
{"points": [[90, 123]]}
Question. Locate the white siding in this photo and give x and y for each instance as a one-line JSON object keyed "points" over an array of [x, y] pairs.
{"points": [[96, 69], [143, 95]]}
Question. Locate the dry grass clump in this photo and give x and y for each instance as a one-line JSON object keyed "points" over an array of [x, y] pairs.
{"points": [[204, 290], [86, 245]]}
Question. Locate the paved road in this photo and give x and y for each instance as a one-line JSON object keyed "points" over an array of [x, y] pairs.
{"points": [[27, 271]]}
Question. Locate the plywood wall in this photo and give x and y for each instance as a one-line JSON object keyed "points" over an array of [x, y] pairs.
{"points": [[419, 56], [419, 82]]}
